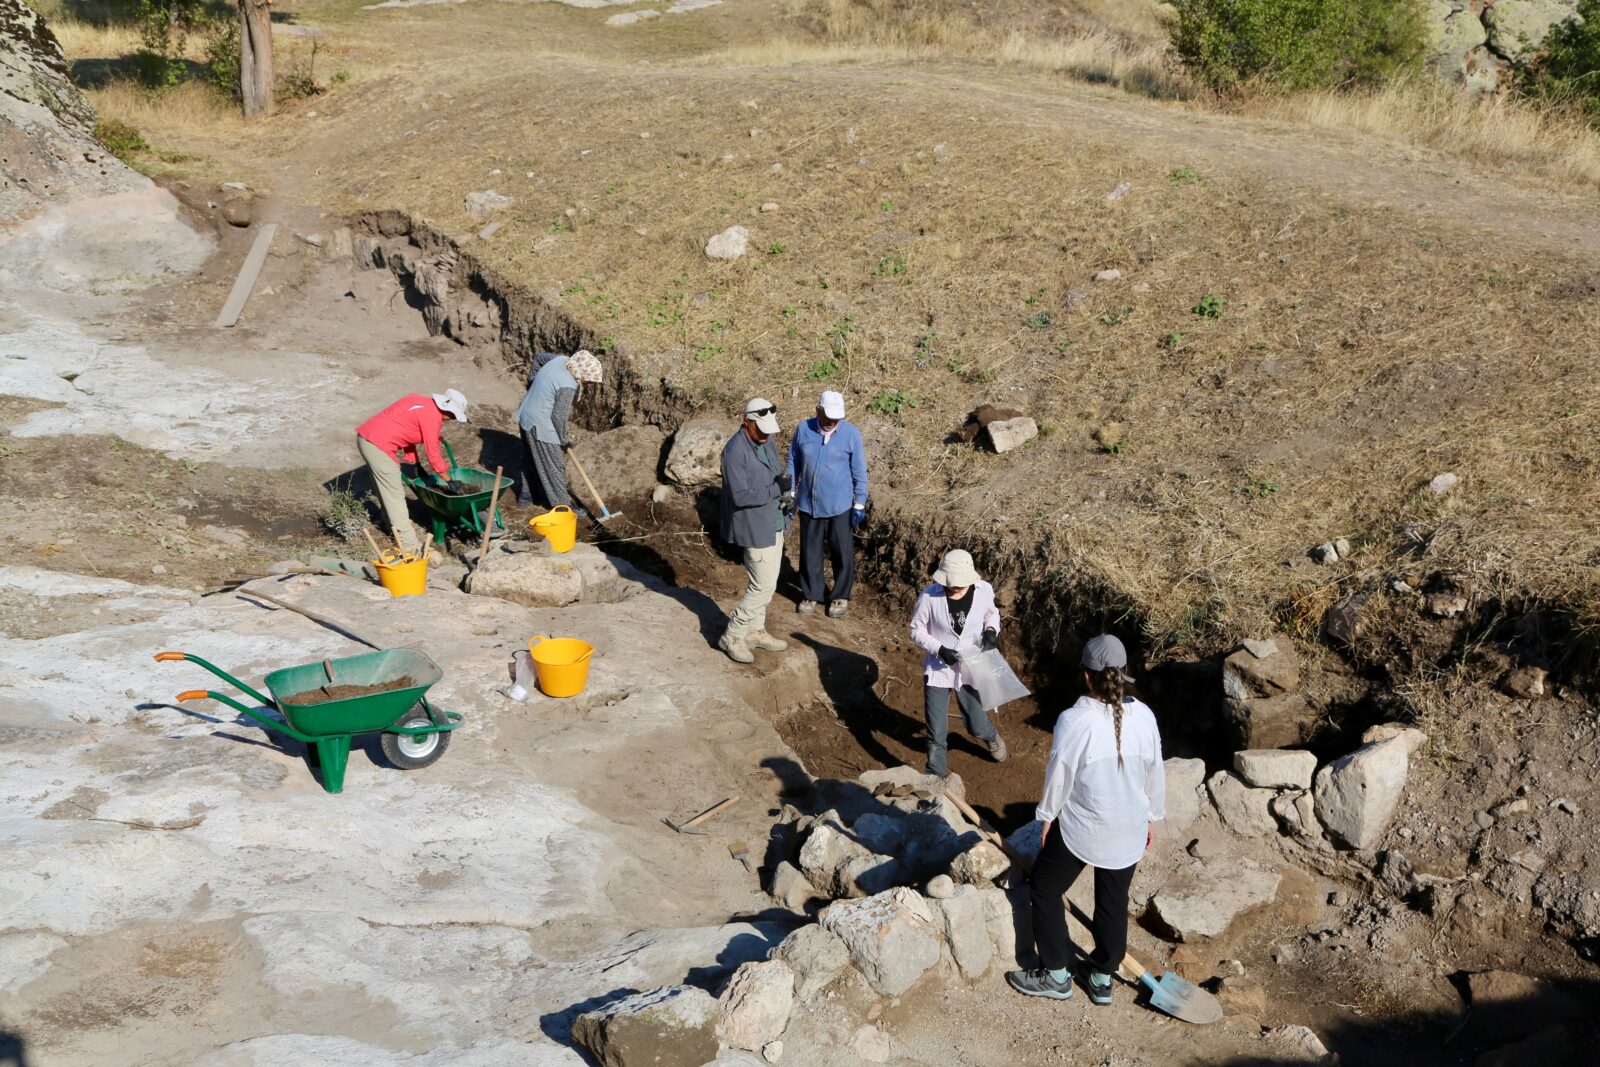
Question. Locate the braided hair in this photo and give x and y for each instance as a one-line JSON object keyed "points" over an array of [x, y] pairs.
{"points": [[1108, 688]]}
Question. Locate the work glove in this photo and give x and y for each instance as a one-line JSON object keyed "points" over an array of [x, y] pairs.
{"points": [[566, 446], [786, 503], [455, 488], [858, 515], [990, 642], [785, 484], [949, 656]]}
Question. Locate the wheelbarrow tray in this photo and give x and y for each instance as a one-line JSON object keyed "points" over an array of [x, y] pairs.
{"points": [[366, 713], [453, 506]]}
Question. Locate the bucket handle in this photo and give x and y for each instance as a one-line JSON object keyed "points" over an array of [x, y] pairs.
{"points": [[537, 638]]}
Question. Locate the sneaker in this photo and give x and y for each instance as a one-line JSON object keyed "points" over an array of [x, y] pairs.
{"points": [[997, 748], [524, 501], [806, 607], [737, 650], [1098, 985], [1040, 983], [838, 608], [763, 640]]}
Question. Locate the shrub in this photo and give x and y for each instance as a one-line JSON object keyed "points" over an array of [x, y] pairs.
{"points": [[121, 140], [1297, 44], [222, 56], [1567, 71], [346, 514]]}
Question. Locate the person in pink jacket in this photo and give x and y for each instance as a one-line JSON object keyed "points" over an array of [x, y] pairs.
{"points": [[395, 435], [955, 617]]}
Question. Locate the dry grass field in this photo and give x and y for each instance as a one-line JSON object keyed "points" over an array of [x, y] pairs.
{"points": [[1323, 302]]}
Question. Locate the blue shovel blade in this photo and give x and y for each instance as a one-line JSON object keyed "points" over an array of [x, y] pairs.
{"points": [[1181, 998]]}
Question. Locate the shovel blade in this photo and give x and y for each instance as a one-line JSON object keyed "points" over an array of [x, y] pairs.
{"points": [[1182, 999]]}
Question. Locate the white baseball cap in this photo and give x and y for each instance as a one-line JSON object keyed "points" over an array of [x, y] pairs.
{"points": [[763, 413], [832, 404], [452, 401], [956, 569]]}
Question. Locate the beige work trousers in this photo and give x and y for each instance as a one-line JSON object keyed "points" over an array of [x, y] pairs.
{"points": [[391, 493], [750, 614]]}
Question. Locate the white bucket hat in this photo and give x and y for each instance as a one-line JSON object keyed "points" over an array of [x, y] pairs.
{"points": [[585, 366], [763, 413], [956, 569], [452, 401]]}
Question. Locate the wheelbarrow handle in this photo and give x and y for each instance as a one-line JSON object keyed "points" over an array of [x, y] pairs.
{"points": [[251, 713], [165, 657]]}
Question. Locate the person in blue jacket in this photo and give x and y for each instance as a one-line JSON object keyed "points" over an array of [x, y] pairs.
{"points": [[828, 467]]}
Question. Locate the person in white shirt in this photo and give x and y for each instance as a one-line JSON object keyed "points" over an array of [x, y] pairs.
{"points": [[1104, 791]]}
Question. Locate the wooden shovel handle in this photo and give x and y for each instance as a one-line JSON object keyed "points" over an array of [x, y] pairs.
{"points": [[598, 499], [1130, 969], [488, 517]]}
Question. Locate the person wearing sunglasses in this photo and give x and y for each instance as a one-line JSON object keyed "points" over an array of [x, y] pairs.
{"points": [[755, 490]]}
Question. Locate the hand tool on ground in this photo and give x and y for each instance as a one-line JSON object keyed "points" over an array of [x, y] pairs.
{"points": [[606, 514], [741, 852], [1171, 993], [689, 826], [320, 620]]}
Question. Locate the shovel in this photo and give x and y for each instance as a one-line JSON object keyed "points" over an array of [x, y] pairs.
{"points": [[606, 514], [1171, 993]]}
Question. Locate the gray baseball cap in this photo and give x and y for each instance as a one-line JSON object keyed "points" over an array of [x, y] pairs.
{"points": [[1103, 652]]}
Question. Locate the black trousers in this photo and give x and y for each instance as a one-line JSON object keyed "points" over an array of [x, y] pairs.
{"points": [[1057, 868], [834, 538]]}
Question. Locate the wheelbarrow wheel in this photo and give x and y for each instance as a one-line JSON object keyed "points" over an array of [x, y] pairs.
{"points": [[412, 751]]}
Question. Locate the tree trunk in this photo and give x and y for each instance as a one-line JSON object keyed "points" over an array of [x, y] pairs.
{"points": [[255, 57]]}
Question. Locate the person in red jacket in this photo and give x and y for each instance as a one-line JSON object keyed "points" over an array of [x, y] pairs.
{"points": [[393, 436]]}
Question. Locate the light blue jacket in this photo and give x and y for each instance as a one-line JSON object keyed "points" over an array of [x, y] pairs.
{"points": [[539, 411], [828, 478]]}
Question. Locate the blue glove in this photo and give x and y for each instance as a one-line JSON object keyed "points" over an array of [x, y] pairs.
{"points": [[858, 515]]}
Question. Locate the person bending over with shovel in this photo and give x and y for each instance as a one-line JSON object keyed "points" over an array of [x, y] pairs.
{"points": [[1104, 791], [395, 435], [555, 383]]}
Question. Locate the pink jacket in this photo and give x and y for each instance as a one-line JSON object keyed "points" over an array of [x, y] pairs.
{"points": [[931, 629], [398, 429]]}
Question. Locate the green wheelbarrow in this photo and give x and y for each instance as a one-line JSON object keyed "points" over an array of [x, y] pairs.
{"points": [[467, 513], [325, 704]]}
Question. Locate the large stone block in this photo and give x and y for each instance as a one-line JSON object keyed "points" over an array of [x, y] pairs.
{"points": [[756, 1004], [1245, 811], [1356, 796], [1184, 779], [1270, 722], [817, 957], [966, 930], [695, 456], [1275, 768], [674, 1026], [893, 938], [1204, 899]]}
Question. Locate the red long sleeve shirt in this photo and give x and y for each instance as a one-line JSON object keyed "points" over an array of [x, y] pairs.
{"points": [[398, 429]]}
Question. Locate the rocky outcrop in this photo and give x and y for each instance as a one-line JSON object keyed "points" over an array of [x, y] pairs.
{"points": [[1259, 688], [674, 1026], [1474, 43]]}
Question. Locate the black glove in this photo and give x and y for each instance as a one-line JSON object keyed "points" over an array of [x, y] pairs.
{"points": [[455, 488], [949, 656], [990, 642], [566, 446], [857, 517]]}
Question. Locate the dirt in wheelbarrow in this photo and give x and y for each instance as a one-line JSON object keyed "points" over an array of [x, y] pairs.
{"points": [[323, 694]]}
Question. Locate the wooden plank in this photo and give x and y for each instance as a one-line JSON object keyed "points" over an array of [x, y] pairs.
{"points": [[247, 276]]}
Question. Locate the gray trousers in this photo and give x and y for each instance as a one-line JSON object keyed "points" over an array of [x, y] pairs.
{"points": [[545, 464], [936, 713]]}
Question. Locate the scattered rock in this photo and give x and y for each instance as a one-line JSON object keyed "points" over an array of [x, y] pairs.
{"points": [[661, 494], [769, 206], [816, 956], [239, 210], [1006, 434], [1300, 1042], [1244, 810], [1325, 553], [674, 1026], [1396, 874], [1524, 683], [158, 568], [1242, 995], [1412, 737], [772, 1051], [983, 863], [966, 930], [1442, 484], [695, 456], [1483, 819], [892, 937], [1107, 275], [1342, 623], [872, 1045], [755, 1005], [1445, 604], [729, 244], [1356, 795], [1506, 808], [1204, 899], [1122, 190], [941, 887], [1262, 648], [489, 231], [484, 203], [792, 888], [1275, 768]]}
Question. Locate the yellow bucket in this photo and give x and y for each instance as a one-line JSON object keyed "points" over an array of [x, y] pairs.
{"points": [[403, 578], [559, 527], [561, 664]]}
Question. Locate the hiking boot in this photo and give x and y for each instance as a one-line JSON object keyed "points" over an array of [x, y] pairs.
{"points": [[763, 640], [838, 609], [736, 649], [1098, 984], [524, 501], [997, 748], [1041, 983], [806, 607]]}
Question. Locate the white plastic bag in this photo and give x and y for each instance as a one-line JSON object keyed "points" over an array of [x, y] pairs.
{"points": [[993, 678], [522, 683]]}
